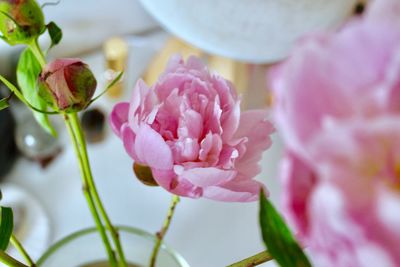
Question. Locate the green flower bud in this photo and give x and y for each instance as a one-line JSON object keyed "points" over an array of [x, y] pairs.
{"points": [[21, 21], [67, 84]]}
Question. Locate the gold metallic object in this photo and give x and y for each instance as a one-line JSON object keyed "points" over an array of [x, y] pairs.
{"points": [[173, 46], [116, 55]]}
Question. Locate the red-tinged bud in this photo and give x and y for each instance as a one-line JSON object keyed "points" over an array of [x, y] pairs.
{"points": [[67, 84], [21, 21]]}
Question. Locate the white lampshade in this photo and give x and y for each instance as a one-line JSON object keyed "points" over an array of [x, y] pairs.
{"points": [[257, 31]]}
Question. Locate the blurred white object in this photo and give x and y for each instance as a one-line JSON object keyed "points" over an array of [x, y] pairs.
{"points": [[31, 224], [257, 31], [86, 25]]}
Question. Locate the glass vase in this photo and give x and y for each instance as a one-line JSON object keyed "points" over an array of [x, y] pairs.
{"points": [[85, 249]]}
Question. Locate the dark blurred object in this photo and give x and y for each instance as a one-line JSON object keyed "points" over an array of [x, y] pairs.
{"points": [[359, 8], [8, 148], [35, 143], [93, 125]]}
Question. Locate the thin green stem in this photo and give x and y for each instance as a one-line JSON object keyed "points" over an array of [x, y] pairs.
{"points": [[252, 261], [86, 191], [93, 190], [10, 261], [37, 51], [89, 187], [20, 248], [160, 235]]}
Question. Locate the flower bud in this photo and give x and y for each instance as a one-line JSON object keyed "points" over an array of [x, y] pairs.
{"points": [[67, 84], [144, 174], [21, 21]]}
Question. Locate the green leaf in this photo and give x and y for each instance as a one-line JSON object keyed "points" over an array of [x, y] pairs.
{"points": [[6, 227], [4, 103], [55, 33], [278, 238], [13, 89], [28, 71], [22, 98], [4, 39]]}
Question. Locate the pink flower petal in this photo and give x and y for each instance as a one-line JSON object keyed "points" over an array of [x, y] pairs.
{"points": [[184, 150], [190, 125], [164, 178], [119, 116], [298, 180], [388, 10], [253, 126], [183, 187], [205, 177], [152, 150], [128, 138], [245, 191], [231, 122], [61, 64], [142, 102], [210, 149]]}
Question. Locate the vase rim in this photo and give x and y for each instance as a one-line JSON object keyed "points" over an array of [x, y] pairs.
{"points": [[128, 229]]}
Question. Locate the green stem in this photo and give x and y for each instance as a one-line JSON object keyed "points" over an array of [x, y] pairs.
{"points": [[86, 190], [89, 187], [92, 187], [20, 248], [160, 235], [253, 260], [10, 261], [37, 51]]}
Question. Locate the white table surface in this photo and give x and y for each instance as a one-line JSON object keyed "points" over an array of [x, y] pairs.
{"points": [[206, 233]]}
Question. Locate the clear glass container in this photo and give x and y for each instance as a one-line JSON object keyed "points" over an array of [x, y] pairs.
{"points": [[85, 247]]}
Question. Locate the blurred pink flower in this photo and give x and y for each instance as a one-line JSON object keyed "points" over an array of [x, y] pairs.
{"points": [[338, 108], [189, 130], [332, 76]]}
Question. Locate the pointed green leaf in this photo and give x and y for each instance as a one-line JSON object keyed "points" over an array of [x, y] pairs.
{"points": [[6, 227], [55, 33], [28, 71], [22, 98], [4, 103], [111, 84], [278, 238], [13, 89]]}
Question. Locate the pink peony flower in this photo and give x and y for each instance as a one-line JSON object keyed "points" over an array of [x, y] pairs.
{"points": [[345, 206], [338, 107], [327, 72], [188, 129]]}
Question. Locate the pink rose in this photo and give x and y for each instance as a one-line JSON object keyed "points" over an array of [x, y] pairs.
{"points": [[188, 129], [338, 107]]}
